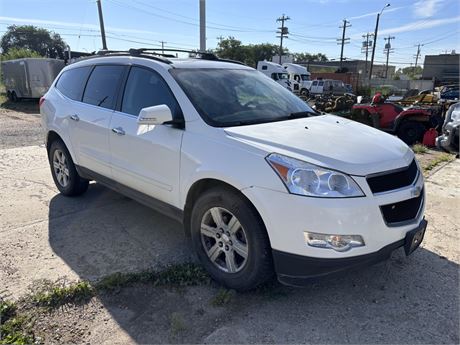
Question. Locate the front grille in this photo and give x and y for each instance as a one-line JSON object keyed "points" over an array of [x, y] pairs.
{"points": [[393, 180], [402, 211]]}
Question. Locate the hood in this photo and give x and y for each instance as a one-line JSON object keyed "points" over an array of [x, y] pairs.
{"points": [[329, 141]]}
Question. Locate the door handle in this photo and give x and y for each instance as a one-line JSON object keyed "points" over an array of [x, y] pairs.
{"points": [[74, 117], [118, 130]]}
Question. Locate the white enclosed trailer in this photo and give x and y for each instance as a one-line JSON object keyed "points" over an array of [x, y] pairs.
{"points": [[29, 77]]}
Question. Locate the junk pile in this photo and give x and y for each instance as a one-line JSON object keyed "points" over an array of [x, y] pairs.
{"points": [[333, 104]]}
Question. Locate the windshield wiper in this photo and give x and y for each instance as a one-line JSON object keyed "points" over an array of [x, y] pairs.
{"points": [[301, 114]]}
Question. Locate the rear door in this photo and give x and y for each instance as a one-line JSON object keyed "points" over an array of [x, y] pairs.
{"points": [[146, 158], [91, 117]]}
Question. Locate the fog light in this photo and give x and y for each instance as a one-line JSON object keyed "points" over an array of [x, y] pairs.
{"points": [[340, 243]]}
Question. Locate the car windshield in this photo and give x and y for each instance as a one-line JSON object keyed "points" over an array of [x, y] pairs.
{"points": [[236, 97], [305, 77]]}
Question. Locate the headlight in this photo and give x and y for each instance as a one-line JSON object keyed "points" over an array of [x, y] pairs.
{"points": [[303, 178]]}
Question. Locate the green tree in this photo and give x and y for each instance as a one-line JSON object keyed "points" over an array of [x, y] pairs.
{"points": [[307, 57], [411, 72], [19, 53], [231, 48], [42, 41]]}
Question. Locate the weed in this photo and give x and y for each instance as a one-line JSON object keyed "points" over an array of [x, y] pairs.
{"points": [[420, 149], [222, 297], [7, 310], [178, 275], [53, 295], [17, 330], [177, 323], [445, 157]]}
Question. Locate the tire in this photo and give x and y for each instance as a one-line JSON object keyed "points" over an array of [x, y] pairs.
{"points": [[217, 246], [63, 170], [8, 95], [14, 97], [305, 93], [411, 132]]}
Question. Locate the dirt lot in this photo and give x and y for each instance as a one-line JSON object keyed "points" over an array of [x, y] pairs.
{"points": [[44, 235]]}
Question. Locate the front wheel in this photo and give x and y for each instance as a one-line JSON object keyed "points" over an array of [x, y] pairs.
{"points": [[65, 175], [305, 93], [230, 239], [411, 132]]}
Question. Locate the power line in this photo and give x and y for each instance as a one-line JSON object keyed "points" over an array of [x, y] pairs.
{"points": [[283, 31]]}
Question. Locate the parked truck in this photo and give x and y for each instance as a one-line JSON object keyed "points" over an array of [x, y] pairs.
{"points": [[299, 78], [276, 72], [29, 77]]}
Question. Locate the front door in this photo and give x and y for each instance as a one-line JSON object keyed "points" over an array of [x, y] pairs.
{"points": [[146, 158]]}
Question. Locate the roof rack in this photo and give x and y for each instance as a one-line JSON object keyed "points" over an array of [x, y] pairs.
{"points": [[154, 53]]}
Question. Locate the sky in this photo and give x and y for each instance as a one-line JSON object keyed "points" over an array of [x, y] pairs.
{"points": [[313, 24]]}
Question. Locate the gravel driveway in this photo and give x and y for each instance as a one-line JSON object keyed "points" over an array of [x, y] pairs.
{"points": [[45, 235]]}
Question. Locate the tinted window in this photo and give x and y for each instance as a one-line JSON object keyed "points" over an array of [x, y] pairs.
{"points": [[320, 83], [315, 83], [102, 86], [72, 82], [264, 67], [145, 88]]}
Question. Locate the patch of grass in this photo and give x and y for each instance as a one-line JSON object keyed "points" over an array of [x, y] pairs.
{"points": [[177, 275], [17, 330], [223, 297], [177, 324], [420, 149], [445, 157], [54, 295], [7, 310]]}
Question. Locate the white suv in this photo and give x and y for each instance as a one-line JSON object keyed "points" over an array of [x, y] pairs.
{"points": [[262, 184]]}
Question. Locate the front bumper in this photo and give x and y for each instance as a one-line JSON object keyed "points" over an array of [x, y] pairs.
{"points": [[297, 270]]}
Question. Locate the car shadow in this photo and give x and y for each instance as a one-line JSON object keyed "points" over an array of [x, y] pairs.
{"points": [[28, 106], [403, 300]]}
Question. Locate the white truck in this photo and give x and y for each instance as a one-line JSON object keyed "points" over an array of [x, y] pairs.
{"points": [[276, 72], [299, 78], [29, 77]]}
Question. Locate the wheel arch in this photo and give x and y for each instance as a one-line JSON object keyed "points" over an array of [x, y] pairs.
{"points": [[417, 117], [53, 135], [204, 184]]}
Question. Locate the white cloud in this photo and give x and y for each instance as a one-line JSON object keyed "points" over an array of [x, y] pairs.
{"points": [[420, 25], [426, 8], [74, 25], [372, 14]]}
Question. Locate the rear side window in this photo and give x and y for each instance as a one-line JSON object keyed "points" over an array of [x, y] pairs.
{"points": [[315, 83], [101, 89], [146, 88], [320, 83], [72, 82]]}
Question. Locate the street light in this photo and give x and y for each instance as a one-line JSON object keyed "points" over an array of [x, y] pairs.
{"points": [[375, 39]]}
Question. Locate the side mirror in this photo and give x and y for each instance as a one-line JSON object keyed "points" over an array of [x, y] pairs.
{"points": [[155, 115]]}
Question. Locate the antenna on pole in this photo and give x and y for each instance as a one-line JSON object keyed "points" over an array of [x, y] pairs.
{"points": [[365, 49], [388, 50], [101, 23]]}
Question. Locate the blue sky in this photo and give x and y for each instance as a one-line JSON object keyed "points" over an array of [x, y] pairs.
{"points": [[314, 24]]}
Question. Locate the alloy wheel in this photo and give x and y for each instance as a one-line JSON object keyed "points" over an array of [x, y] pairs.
{"points": [[61, 168]]}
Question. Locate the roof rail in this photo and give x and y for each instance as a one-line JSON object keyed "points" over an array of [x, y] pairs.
{"points": [[154, 53]]}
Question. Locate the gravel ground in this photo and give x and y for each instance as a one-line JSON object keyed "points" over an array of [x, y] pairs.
{"points": [[20, 125], [46, 236]]}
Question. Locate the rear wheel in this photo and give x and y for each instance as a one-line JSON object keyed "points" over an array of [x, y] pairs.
{"points": [[230, 239], [14, 97], [65, 175], [411, 132], [305, 93]]}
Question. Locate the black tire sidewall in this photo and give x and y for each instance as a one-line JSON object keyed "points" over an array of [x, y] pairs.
{"points": [[407, 126], [258, 267], [73, 187]]}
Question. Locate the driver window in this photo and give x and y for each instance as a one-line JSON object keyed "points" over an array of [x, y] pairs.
{"points": [[145, 88]]}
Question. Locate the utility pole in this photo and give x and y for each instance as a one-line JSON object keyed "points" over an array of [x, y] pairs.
{"points": [[163, 46], [388, 50], [283, 31], [418, 54], [365, 49], [202, 25], [375, 39], [344, 40], [101, 23]]}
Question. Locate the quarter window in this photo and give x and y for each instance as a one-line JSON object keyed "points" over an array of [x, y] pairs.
{"points": [[102, 86], [72, 82], [146, 88]]}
